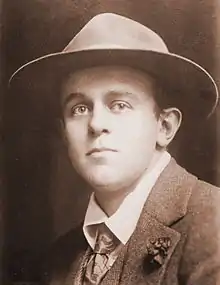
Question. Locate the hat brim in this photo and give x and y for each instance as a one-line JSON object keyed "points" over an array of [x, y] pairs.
{"points": [[182, 77]]}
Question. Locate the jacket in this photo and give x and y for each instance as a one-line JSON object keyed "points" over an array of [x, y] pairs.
{"points": [[180, 209]]}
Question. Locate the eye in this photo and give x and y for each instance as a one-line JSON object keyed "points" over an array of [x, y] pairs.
{"points": [[120, 106], [79, 110]]}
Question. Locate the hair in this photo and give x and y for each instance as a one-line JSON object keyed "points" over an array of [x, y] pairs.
{"points": [[161, 97]]}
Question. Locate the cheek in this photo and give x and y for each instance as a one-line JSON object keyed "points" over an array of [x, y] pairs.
{"points": [[138, 132], [75, 133]]}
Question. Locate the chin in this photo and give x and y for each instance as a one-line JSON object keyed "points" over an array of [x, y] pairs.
{"points": [[104, 179]]}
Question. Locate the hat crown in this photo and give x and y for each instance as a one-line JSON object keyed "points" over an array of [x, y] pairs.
{"points": [[108, 30]]}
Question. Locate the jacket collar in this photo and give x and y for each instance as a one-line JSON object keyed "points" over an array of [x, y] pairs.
{"points": [[169, 198]]}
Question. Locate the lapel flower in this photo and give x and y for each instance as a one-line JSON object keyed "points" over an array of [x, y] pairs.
{"points": [[158, 250]]}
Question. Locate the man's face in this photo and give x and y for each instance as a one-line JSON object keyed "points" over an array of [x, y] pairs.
{"points": [[110, 125]]}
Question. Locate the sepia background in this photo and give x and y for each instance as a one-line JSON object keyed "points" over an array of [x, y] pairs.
{"points": [[42, 196]]}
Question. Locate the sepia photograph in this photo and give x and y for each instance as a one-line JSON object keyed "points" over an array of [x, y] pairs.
{"points": [[110, 144]]}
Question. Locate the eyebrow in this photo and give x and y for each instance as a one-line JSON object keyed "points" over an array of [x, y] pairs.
{"points": [[71, 96], [110, 94], [114, 93]]}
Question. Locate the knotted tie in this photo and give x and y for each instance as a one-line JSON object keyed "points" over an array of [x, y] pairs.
{"points": [[103, 256]]}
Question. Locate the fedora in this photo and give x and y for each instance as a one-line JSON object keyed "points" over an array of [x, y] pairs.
{"points": [[111, 39]]}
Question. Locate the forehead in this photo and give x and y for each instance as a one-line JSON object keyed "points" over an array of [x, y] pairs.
{"points": [[107, 77]]}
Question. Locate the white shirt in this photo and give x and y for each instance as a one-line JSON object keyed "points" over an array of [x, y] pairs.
{"points": [[123, 222]]}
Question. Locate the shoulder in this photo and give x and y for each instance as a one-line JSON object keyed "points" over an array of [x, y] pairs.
{"points": [[62, 252], [201, 195], [205, 199], [203, 213], [73, 238], [201, 256], [68, 243]]}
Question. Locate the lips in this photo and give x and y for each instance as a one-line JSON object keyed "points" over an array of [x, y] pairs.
{"points": [[102, 149]]}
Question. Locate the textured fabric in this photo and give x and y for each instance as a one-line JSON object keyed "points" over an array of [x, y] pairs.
{"points": [[181, 209], [102, 257], [123, 222]]}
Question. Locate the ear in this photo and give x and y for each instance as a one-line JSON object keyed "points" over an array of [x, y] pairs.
{"points": [[169, 122]]}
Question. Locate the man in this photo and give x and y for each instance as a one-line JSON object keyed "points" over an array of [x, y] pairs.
{"points": [[123, 97]]}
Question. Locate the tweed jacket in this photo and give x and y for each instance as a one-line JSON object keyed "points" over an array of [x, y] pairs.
{"points": [[181, 209]]}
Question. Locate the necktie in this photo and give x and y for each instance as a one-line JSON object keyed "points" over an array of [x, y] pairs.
{"points": [[102, 257]]}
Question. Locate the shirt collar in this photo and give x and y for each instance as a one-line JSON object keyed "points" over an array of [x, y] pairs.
{"points": [[123, 222]]}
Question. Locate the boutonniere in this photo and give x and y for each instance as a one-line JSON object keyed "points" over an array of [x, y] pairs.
{"points": [[158, 250]]}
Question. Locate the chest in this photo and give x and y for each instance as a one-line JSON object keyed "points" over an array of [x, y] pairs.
{"points": [[132, 267]]}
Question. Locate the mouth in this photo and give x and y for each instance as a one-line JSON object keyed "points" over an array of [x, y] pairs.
{"points": [[98, 150]]}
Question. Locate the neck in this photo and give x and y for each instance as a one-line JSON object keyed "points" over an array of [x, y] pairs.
{"points": [[110, 201]]}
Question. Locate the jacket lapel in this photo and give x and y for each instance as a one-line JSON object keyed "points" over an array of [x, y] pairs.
{"points": [[166, 204], [114, 275], [140, 267]]}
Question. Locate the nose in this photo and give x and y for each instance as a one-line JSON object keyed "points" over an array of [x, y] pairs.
{"points": [[99, 121]]}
